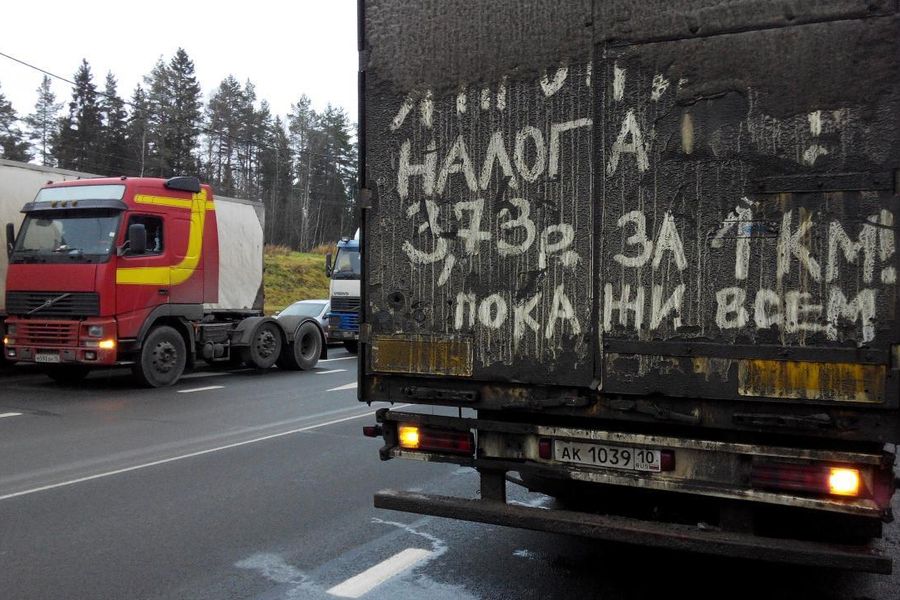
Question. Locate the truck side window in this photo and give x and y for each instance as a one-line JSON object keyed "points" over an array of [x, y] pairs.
{"points": [[154, 227]]}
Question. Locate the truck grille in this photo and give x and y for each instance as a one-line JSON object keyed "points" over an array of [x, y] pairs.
{"points": [[344, 321], [344, 304], [76, 304], [47, 333]]}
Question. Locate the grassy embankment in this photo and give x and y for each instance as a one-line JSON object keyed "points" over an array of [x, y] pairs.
{"points": [[290, 276]]}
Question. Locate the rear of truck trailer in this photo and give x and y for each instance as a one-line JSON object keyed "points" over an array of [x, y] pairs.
{"points": [[652, 246]]}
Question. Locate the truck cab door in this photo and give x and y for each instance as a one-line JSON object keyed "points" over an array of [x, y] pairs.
{"points": [[143, 281]]}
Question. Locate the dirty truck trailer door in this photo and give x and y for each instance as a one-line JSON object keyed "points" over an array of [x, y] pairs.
{"points": [[606, 201]]}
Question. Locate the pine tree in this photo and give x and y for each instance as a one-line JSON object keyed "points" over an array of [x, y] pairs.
{"points": [[223, 114], [185, 114], [12, 143], [332, 176], [159, 122], [113, 147], [275, 177], [79, 145], [42, 122], [300, 126], [136, 132]]}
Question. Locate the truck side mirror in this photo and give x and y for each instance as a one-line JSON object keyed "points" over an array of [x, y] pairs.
{"points": [[10, 238], [137, 238], [328, 264]]}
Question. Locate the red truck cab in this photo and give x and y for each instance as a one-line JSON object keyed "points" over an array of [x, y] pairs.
{"points": [[96, 258]]}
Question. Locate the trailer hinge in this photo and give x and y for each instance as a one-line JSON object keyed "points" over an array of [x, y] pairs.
{"points": [[365, 333], [365, 198], [363, 60]]}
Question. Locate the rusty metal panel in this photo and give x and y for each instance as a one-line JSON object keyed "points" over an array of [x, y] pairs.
{"points": [[700, 246], [637, 198], [480, 160], [422, 355], [650, 20], [444, 43], [845, 382]]}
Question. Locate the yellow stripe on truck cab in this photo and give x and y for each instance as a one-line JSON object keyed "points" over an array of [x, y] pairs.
{"points": [[174, 274]]}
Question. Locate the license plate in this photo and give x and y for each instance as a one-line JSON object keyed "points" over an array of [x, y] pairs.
{"points": [[611, 457], [45, 357]]}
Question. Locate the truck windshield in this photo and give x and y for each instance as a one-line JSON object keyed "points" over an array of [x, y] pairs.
{"points": [[346, 265], [83, 236]]}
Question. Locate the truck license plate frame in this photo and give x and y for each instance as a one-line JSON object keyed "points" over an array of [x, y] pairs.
{"points": [[623, 458], [47, 357]]}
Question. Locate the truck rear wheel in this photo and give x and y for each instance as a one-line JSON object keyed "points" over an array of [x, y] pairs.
{"points": [[163, 357], [303, 354], [352, 346], [67, 373], [265, 346]]}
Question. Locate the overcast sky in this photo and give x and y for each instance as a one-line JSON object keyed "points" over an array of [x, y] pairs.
{"points": [[285, 48]]}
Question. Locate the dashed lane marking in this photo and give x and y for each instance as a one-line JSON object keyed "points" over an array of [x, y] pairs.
{"points": [[371, 578], [10, 414], [201, 389], [331, 371], [349, 386]]}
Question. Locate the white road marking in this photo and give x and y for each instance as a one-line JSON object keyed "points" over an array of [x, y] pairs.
{"points": [[10, 414], [349, 386], [201, 389], [341, 358], [370, 578], [163, 461], [331, 371]]}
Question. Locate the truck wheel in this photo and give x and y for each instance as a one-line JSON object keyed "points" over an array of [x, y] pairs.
{"points": [[265, 346], [304, 353], [67, 373], [163, 357], [352, 346]]}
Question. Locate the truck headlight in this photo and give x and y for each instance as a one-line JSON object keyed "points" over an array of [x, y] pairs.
{"points": [[95, 331], [11, 329]]}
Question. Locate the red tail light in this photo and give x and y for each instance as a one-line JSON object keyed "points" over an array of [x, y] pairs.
{"points": [[423, 439], [814, 479], [545, 448]]}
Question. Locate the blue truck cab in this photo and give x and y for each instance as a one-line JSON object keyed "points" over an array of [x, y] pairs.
{"points": [[343, 319]]}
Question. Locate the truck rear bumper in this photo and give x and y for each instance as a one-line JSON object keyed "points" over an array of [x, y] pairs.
{"points": [[729, 471], [635, 531]]}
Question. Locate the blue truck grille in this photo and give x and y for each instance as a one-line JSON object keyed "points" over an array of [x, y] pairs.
{"points": [[344, 321]]}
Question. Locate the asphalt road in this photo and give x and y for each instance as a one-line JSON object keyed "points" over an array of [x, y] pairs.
{"points": [[248, 485]]}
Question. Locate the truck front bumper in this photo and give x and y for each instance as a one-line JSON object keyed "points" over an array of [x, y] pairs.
{"points": [[49, 341], [339, 335]]}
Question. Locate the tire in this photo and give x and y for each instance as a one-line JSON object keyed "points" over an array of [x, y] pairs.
{"points": [[163, 357], [265, 346], [67, 373], [303, 354], [352, 346]]}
